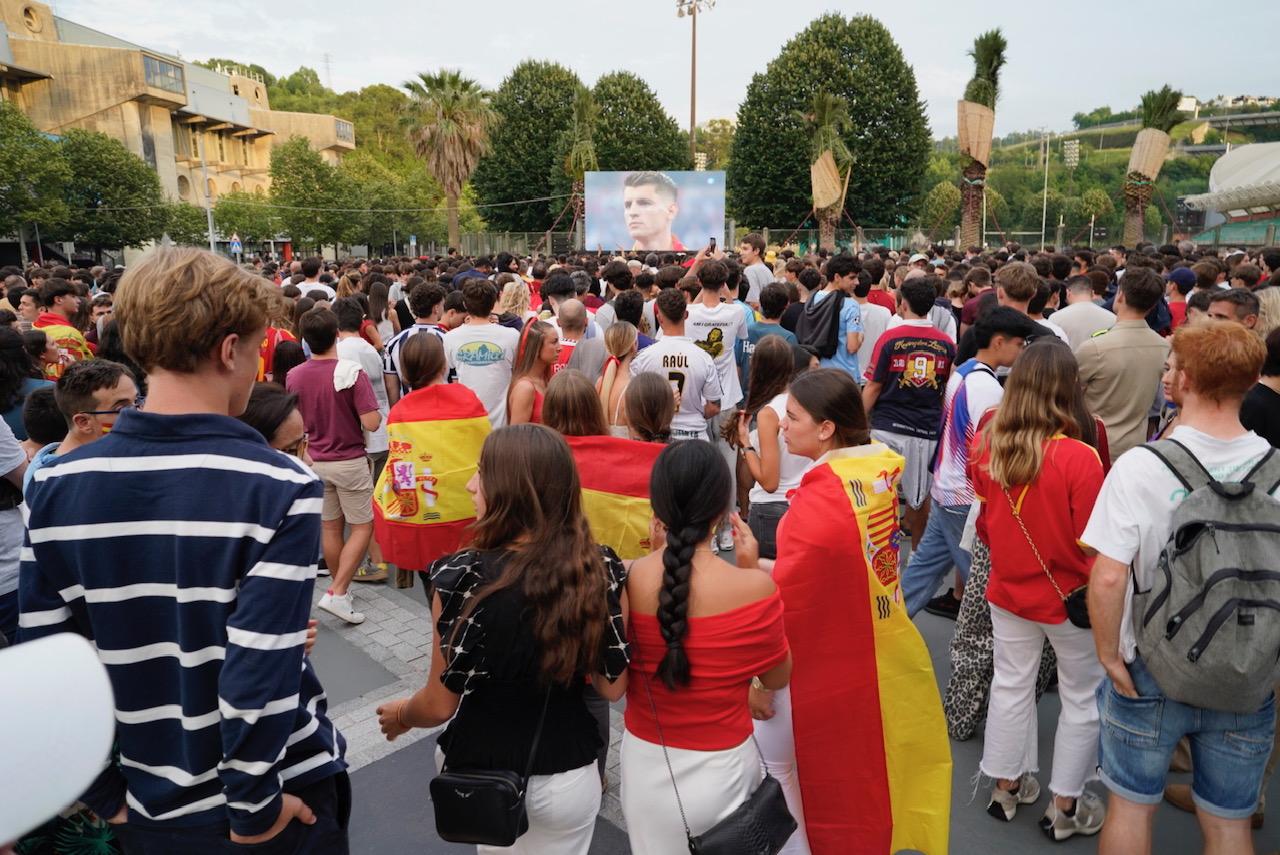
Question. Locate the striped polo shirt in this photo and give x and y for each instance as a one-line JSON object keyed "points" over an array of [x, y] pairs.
{"points": [[184, 548]]}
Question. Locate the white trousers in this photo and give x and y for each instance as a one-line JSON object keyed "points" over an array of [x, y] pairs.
{"points": [[712, 784], [778, 745], [562, 812], [1009, 749]]}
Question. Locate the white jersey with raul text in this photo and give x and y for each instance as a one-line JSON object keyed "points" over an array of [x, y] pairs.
{"points": [[690, 371]]}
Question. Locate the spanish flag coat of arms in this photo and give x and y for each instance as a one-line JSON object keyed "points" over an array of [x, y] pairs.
{"points": [[421, 507], [871, 741]]}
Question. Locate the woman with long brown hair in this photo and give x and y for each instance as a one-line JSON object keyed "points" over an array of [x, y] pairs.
{"points": [[572, 407], [620, 340], [757, 435], [536, 356], [648, 406], [531, 611], [1037, 481]]}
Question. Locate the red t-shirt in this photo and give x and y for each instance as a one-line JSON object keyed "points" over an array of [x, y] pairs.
{"points": [[883, 298], [1179, 313], [1055, 509], [267, 352], [566, 351], [332, 418]]}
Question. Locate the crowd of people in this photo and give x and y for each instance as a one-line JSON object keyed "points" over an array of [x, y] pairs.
{"points": [[563, 451]]}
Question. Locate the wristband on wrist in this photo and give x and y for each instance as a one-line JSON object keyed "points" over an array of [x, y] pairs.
{"points": [[400, 713]]}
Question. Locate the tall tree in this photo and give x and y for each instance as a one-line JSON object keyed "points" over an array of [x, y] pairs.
{"points": [[113, 198], [534, 107], [938, 211], [828, 121], [581, 158], [976, 113], [33, 175], [857, 59], [247, 214], [634, 132], [186, 224], [448, 119], [1159, 115], [715, 139], [307, 190]]}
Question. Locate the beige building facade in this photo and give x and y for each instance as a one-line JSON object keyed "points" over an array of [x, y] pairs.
{"points": [[182, 119]]}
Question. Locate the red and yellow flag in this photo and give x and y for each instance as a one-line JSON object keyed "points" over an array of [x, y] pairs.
{"points": [[871, 740], [421, 508], [615, 490], [69, 341]]}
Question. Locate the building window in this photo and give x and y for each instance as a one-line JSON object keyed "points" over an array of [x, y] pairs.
{"points": [[181, 141], [244, 152], [235, 186], [346, 133], [195, 142], [235, 89], [211, 189], [222, 151], [184, 187], [163, 75]]}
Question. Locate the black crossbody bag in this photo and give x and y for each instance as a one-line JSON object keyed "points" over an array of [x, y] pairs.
{"points": [[761, 825], [484, 807]]}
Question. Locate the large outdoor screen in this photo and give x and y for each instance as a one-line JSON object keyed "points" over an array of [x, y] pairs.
{"points": [[660, 211]]}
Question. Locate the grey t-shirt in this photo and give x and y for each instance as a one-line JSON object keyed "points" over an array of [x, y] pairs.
{"points": [[758, 275]]}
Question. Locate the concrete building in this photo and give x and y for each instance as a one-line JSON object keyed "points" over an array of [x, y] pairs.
{"points": [[167, 111]]}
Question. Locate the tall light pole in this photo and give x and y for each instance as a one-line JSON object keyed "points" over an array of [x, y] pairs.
{"points": [[1044, 209], [691, 8]]}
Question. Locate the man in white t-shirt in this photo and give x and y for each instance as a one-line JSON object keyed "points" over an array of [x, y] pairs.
{"points": [[686, 366], [482, 352], [875, 320], [1210, 368], [717, 324], [311, 268]]}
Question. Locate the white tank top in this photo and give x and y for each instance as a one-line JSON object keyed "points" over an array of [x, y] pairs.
{"points": [[791, 467]]}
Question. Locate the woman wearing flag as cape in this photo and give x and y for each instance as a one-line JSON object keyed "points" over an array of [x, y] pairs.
{"points": [[871, 743]]}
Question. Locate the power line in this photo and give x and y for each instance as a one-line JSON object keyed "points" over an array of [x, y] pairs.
{"points": [[345, 210]]}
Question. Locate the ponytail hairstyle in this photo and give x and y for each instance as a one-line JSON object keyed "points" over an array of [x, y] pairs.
{"points": [[619, 340], [772, 366], [690, 491], [649, 405]]}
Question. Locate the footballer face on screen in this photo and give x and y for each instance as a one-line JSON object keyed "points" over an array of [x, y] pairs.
{"points": [[649, 206]]}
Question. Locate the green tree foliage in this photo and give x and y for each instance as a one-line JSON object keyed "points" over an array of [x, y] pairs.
{"points": [[33, 175], [186, 225], [715, 140], [1102, 116], [113, 198], [634, 131], [856, 58], [247, 214], [940, 208], [1160, 108], [988, 58], [448, 120], [534, 106], [300, 183], [1095, 202]]}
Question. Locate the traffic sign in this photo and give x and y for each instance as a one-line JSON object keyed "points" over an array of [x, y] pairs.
{"points": [[236, 247]]}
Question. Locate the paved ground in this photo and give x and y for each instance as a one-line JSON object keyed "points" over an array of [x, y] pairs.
{"points": [[387, 657]]}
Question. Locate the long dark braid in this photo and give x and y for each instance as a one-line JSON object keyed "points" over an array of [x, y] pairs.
{"points": [[690, 491]]}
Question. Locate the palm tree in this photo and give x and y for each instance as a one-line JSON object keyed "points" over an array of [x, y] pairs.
{"points": [[581, 158], [1159, 115], [976, 126], [448, 119], [827, 121]]}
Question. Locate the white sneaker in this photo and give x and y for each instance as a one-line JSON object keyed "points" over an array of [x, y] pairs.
{"points": [[340, 607], [1004, 803], [726, 540], [1089, 815]]}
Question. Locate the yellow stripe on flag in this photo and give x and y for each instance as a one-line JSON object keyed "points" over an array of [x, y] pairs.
{"points": [[428, 466], [617, 521]]}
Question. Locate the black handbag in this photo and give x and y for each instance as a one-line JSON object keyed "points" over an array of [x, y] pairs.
{"points": [[761, 825], [1076, 603], [484, 806]]}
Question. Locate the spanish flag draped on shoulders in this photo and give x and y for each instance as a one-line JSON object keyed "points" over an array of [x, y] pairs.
{"points": [[69, 341], [421, 507], [615, 490], [871, 740]]}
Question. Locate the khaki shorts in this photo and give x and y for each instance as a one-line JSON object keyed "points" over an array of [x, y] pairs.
{"points": [[348, 490], [918, 453]]}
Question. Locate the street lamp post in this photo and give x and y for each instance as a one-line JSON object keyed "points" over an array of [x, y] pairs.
{"points": [[691, 8]]}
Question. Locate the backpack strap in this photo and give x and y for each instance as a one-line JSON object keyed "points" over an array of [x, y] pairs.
{"points": [[1182, 463], [1266, 473]]}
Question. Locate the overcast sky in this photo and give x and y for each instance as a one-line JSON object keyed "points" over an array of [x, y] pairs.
{"points": [[1064, 57]]}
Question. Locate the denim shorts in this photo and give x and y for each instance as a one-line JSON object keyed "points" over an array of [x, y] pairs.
{"points": [[1138, 735]]}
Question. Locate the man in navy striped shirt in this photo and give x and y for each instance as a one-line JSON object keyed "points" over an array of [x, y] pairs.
{"points": [[184, 547]]}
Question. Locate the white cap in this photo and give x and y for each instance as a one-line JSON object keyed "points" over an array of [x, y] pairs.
{"points": [[919, 256], [56, 727]]}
